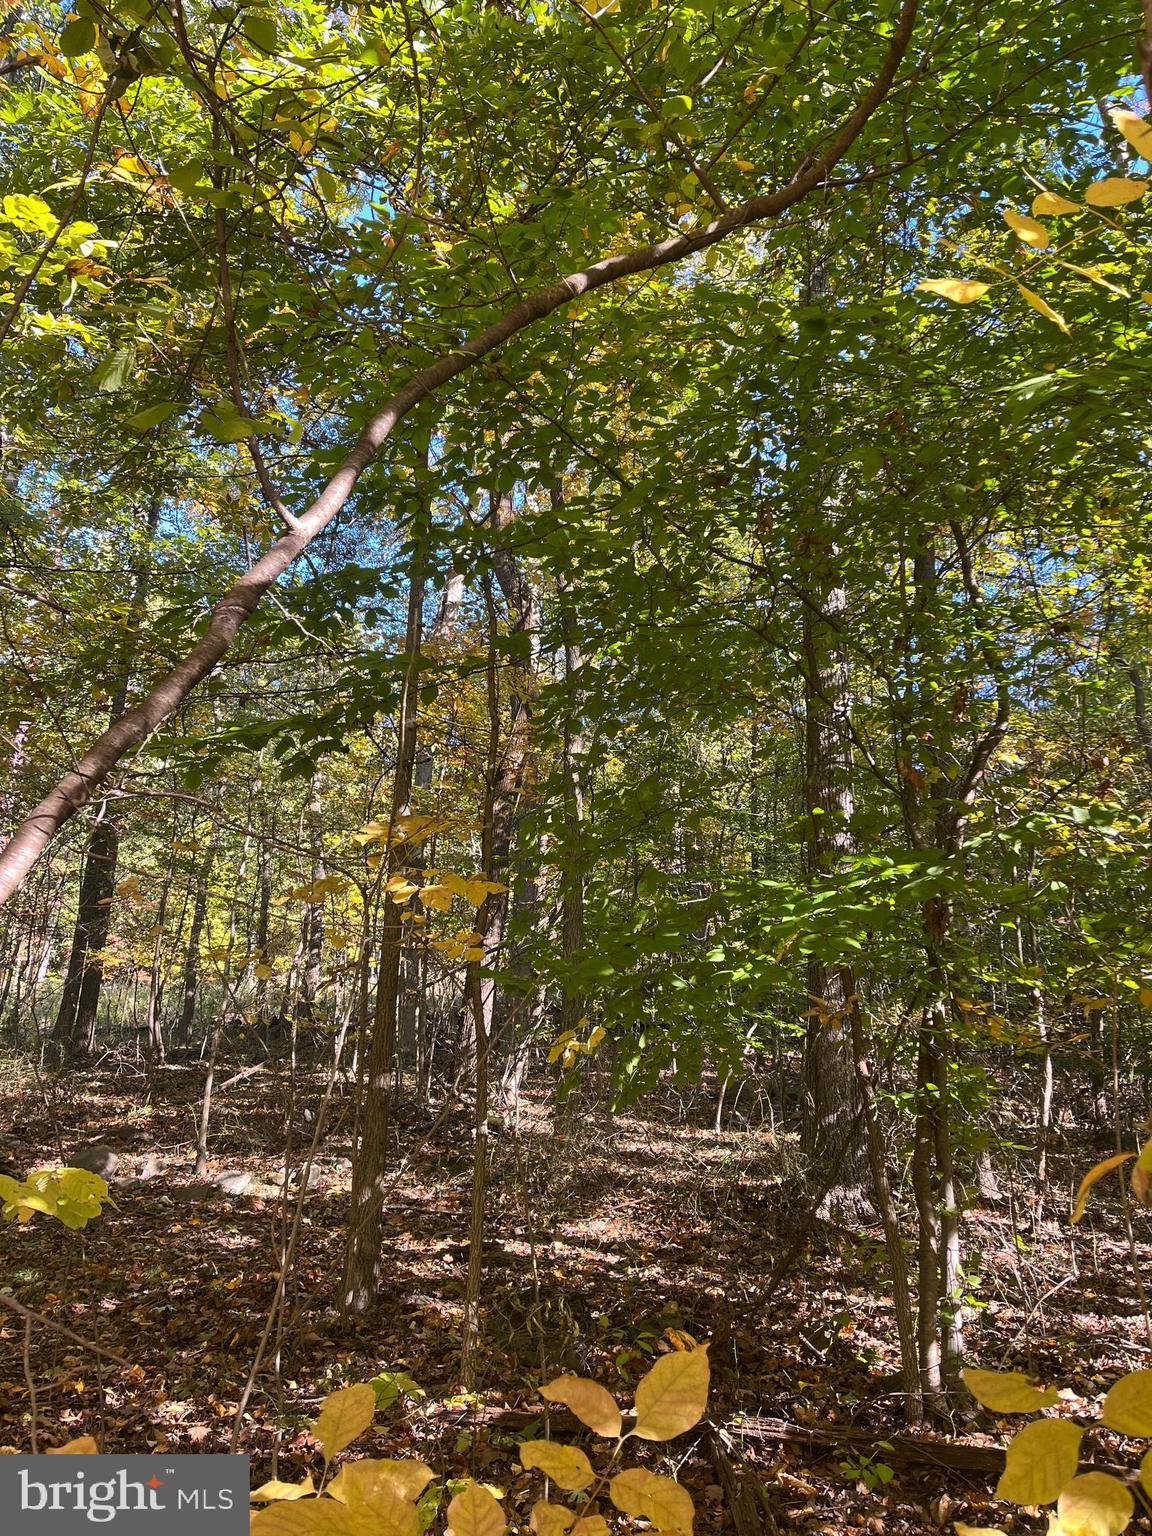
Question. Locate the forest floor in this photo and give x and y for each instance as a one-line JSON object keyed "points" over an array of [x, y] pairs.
{"points": [[604, 1233]]}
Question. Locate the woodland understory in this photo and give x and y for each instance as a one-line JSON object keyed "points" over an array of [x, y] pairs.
{"points": [[609, 1232]]}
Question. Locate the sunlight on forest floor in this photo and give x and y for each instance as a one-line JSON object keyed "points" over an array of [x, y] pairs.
{"points": [[608, 1230]]}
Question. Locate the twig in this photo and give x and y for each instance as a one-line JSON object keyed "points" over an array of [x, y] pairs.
{"points": [[31, 1380], [38, 1317]]}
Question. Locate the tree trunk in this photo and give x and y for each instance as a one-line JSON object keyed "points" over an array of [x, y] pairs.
{"points": [[190, 982], [833, 1127], [75, 1025], [370, 1158]]}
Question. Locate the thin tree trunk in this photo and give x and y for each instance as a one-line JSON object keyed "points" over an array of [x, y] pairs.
{"points": [[370, 1161], [572, 879], [190, 982], [832, 1094]]}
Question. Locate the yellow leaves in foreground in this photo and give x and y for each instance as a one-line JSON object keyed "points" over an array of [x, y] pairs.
{"points": [[73, 1195], [1041, 1462], [960, 290], [550, 1519], [672, 1397], [566, 1465], [1007, 1391], [1093, 1505], [474, 1512], [84, 1446], [366, 1481], [659, 1500], [592, 1404], [274, 1489], [379, 1497], [1128, 1406], [345, 1415]]}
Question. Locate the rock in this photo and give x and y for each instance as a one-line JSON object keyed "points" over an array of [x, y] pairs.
{"points": [[307, 1178], [232, 1181], [96, 1158]]}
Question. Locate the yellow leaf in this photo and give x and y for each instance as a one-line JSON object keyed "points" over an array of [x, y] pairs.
{"points": [[591, 1525], [1027, 229], [592, 1404], [567, 1466], [1146, 997], [303, 1517], [960, 290], [1042, 307], [84, 1446], [1114, 191], [1041, 1462], [343, 1416], [474, 1512], [1094, 275], [744, 165], [673, 1395], [550, 1519], [559, 1046], [263, 971], [437, 897], [361, 1481], [1135, 130], [1128, 1406], [275, 1489], [1095, 1505], [1052, 202], [964, 1529], [400, 888], [1141, 1178], [1145, 1475], [660, 1500], [1007, 1391], [1093, 1176]]}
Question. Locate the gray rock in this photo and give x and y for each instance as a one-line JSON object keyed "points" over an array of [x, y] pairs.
{"points": [[232, 1181], [96, 1158]]}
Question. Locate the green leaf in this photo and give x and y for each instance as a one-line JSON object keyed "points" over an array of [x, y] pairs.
{"points": [[78, 37], [225, 423], [262, 33], [115, 371], [153, 415]]}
